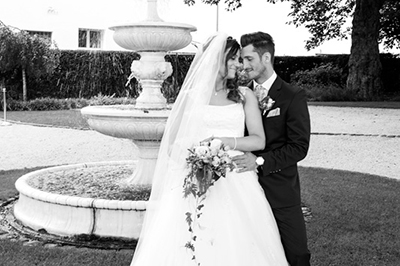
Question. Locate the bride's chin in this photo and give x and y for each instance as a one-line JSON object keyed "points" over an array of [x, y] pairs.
{"points": [[231, 75]]}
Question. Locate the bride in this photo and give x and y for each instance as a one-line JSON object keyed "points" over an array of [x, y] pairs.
{"points": [[237, 226]]}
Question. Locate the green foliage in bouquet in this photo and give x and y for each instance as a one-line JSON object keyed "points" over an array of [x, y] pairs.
{"points": [[207, 163]]}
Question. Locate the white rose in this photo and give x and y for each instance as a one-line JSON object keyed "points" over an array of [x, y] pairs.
{"points": [[215, 144], [214, 152], [201, 150], [216, 161]]}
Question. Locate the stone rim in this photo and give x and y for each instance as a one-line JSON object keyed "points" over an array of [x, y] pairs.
{"points": [[24, 188], [71, 216]]}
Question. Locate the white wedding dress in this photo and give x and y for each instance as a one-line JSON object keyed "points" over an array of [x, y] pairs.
{"points": [[237, 226]]}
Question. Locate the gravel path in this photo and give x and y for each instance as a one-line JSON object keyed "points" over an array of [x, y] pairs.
{"points": [[356, 139], [363, 140]]}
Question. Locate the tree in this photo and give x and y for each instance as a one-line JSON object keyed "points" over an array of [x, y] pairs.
{"points": [[31, 55], [374, 22]]}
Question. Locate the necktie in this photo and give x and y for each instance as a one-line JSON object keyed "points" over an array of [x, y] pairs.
{"points": [[260, 92]]}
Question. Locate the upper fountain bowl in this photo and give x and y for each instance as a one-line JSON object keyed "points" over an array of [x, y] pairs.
{"points": [[152, 36]]}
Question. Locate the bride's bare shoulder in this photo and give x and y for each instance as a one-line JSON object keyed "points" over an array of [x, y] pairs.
{"points": [[246, 91]]}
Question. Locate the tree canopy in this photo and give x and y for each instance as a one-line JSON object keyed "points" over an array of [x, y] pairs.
{"points": [[390, 24], [373, 22], [30, 54], [329, 19]]}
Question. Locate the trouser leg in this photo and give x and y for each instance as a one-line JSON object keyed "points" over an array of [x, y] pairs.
{"points": [[292, 229]]}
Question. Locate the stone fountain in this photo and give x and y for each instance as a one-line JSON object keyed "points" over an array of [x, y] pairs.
{"points": [[143, 123]]}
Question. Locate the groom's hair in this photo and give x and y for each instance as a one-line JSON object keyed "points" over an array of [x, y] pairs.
{"points": [[261, 41]]}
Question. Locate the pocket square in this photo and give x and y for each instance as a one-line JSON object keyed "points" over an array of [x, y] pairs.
{"points": [[274, 112]]}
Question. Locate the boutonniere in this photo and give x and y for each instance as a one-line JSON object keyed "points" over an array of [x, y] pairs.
{"points": [[266, 104]]}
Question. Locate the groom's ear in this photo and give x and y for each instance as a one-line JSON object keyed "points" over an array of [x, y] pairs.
{"points": [[266, 58]]}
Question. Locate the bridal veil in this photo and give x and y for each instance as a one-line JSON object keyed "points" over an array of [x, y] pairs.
{"points": [[183, 129]]}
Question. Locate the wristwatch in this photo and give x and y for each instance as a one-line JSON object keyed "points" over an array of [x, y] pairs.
{"points": [[259, 161]]}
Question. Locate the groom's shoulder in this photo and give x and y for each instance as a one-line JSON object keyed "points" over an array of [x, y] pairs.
{"points": [[290, 88], [292, 91]]}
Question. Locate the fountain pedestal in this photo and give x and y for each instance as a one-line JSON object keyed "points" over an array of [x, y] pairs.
{"points": [[151, 70]]}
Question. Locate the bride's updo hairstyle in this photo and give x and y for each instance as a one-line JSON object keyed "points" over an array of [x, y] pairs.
{"points": [[232, 46]]}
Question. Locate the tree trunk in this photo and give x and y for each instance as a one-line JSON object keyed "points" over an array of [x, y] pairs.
{"points": [[364, 80], [24, 90]]}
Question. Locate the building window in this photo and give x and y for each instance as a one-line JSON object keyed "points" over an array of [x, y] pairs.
{"points": [[42, 34], [89, 38]]}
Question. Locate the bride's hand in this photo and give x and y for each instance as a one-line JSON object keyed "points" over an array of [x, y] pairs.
{"points": [[207, 139], [224, 140]]}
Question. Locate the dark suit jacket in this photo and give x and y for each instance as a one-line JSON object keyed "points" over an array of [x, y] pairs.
{"points": [[287, 142]]}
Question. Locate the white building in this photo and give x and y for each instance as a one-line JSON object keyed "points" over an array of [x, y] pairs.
{"points": [[74, 24]]}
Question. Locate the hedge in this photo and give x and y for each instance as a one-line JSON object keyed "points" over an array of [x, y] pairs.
{"points": [[85, 74]]}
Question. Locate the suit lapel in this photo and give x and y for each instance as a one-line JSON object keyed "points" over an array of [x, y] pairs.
{"points": [[275, 90], [250, 85]]}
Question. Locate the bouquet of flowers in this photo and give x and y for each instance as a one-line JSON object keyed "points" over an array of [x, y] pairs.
{"points": [[207, 162]]}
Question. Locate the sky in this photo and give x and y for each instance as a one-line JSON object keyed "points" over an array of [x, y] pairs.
{"points": [[254, 15]]}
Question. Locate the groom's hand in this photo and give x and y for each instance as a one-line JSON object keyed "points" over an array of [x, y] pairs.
{"points": [[245, 162]]}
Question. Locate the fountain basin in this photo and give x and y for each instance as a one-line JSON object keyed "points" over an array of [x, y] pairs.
{"points": [[72, 215], [126, 121], [153, 35], [144, 127]]}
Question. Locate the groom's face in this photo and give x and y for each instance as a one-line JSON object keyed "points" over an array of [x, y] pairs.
{"points": [[253, 63]]}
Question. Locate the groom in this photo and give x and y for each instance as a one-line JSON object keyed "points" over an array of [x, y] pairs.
{"points": [[287, 130]]}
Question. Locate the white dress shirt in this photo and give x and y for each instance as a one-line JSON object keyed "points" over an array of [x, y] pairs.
{"points": [[268, 83]]}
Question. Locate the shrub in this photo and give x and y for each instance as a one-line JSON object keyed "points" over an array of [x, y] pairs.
{"points": [[325, 82], [109, 100], [322, 75], [13, 105], [102, 100], [327, 93], [47, 104], [77, 103], [43, 104]]}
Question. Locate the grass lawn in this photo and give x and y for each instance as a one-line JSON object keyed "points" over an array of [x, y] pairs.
{"points": [[15, 254], [355, 221], [355, 217], [60, 118]]}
